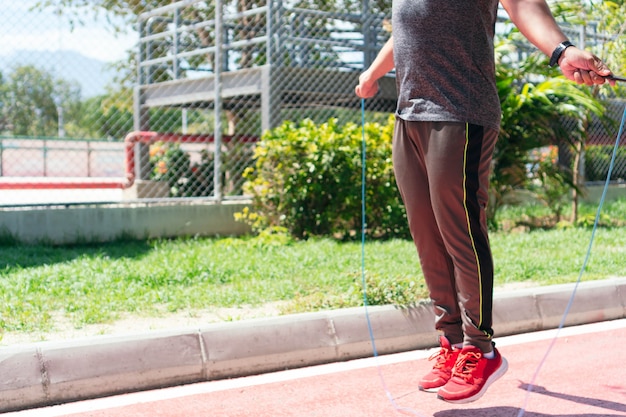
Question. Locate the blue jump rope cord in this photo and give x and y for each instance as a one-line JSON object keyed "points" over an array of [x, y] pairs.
{"points": [[398, 408], [569, 304], [584, 266]]}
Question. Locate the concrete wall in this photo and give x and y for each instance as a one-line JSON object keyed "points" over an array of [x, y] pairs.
{"points": [[593, 193], [107, 223]]}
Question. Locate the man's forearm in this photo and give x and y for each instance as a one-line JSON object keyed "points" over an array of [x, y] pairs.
{"points": [[383, 62], [534, 19]]}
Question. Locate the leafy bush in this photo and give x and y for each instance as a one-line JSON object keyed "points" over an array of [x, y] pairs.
{"points": [[307, 179], [598, 159], [171, 164], [551, 184], [540, 108]]}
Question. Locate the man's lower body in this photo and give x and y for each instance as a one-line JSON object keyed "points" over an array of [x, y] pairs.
{"points": [[442, 171]]}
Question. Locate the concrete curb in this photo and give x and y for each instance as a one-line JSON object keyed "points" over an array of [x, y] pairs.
{"points": [[51, 372], [107, 223]]}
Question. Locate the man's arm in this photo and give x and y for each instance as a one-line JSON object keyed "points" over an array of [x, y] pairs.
{"points": [[534, 19], [368, 80]]}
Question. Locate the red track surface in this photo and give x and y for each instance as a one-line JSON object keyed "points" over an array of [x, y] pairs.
{"points": [[583, 376]]}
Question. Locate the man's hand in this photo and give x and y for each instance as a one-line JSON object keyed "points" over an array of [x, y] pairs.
{"points": [[583, 67], [366, 88]]}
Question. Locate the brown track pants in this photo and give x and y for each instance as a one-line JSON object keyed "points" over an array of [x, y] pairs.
{"points": [[442, 172]]}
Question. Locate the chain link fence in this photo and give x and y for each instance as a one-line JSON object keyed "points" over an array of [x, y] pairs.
{"points": [[177, 110], [247, 67]]}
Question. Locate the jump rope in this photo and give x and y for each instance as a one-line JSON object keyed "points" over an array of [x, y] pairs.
{"points": [[410, 411]]}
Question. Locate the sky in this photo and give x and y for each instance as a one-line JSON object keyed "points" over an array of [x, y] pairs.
{"points": [[22, 29]]}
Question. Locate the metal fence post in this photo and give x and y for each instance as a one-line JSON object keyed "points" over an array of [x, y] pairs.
{"points": [[45, 157], [175, 46], [141, 119], [217, 104]]}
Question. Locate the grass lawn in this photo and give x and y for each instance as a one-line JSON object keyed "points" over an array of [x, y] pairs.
{"points": [[91, 284]]}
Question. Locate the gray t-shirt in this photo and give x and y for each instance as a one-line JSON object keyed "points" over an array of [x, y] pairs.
{"points": [[444, 60]]}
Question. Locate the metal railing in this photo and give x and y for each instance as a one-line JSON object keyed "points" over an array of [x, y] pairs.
{"points": [[55, 157]]}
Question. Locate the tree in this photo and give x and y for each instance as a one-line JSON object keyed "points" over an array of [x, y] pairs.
{"points": [[4, 121], [32, 100]]}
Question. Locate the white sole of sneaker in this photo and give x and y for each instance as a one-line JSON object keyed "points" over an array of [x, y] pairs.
{"points": [[493, 378], [432, 390]]}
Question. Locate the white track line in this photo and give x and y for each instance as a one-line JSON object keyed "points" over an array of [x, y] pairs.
{"points": [[222, 385]]}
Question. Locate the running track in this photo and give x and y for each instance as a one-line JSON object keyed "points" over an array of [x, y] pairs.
{"points": [[583, 376]]}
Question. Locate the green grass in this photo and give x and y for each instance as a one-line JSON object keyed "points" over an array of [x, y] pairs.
{"points": [[91, 284]]}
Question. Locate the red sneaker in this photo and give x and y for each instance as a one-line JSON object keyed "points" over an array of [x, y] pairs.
{"points": [[472, 375], [442, 370]]}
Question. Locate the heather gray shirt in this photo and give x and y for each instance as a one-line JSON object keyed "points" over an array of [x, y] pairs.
{"points": [[444, 60]]}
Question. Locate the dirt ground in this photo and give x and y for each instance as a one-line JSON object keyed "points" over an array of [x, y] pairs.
{"points": [[65, 330]]}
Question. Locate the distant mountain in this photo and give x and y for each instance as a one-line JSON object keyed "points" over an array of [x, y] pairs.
{"points": [[92, 75]]}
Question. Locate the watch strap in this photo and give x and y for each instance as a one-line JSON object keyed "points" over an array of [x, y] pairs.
{"points": [[558, 51]]}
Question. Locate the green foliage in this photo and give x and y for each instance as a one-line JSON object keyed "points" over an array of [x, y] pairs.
{"points": [[307, 178], [306, 175], [7, 238], [389, 289], [605, 16], [169, 163], [534, 116], [30, 98], [173, 165], [598, 159], [616, 210], [551, 183], [105, 117], [274, 236], [588, 220]]}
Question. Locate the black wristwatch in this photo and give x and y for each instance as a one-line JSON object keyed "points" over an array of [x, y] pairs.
{"points": [[558, 51]]}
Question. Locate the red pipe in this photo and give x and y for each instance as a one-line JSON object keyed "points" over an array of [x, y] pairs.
{"points": [[59, 185], [129, 144]]}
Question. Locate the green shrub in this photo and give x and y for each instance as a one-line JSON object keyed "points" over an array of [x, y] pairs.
{"points": [[598, 159], [399, 291], [185, 179], [307, 179], [169, 162]]}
